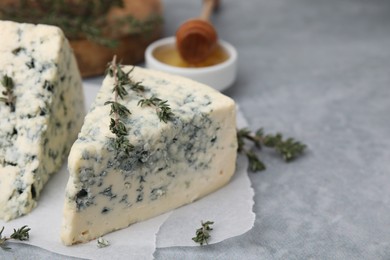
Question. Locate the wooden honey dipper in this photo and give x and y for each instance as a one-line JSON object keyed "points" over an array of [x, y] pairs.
{"points": [[197, 38]]}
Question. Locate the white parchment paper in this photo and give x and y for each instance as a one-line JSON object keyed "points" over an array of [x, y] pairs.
{"points": [[230, 208]]}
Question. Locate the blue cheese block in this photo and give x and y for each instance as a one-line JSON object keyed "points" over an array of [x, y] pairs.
{"points": [[38, 128], [172, 163]]}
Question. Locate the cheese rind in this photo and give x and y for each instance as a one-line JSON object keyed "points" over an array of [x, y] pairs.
{"points": [[172, 163], [49, 111]]}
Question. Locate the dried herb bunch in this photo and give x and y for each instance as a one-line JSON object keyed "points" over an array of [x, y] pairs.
{"points": [[288, 148], [85, 19], [8, 96], [20, 234]]}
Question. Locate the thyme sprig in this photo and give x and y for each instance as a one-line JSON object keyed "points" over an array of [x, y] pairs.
{"points": [[288, 148], [9, 98], [203, 233], [20, 234], [163, 110], [119, 111], [123, 83]]}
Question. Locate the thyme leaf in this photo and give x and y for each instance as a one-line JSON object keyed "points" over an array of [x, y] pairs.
{"points": [[118, 108], [164, 112], [9, 98], [123, 144], [118, 128], [255, 164], [138, 87]]}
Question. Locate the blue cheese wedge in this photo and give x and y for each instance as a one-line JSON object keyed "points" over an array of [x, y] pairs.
{"points": [[172, 163], [48, 110]]}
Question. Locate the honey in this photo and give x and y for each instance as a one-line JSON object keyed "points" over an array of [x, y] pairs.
{"points": [[169, 54]]}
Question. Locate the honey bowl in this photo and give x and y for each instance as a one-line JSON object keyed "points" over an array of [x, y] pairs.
{"points": [[218, 71]]}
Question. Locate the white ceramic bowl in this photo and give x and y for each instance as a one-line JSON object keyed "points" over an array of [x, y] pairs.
{"points": [[220, 76]]}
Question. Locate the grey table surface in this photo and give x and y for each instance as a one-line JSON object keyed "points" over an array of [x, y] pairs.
{"points": [[319, 71]]}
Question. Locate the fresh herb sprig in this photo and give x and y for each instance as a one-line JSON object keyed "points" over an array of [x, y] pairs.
{"points": [[21, 234], [9, 98], [288, 148], [122, 84], [203, 233], [118, 111], [163, 110]]}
